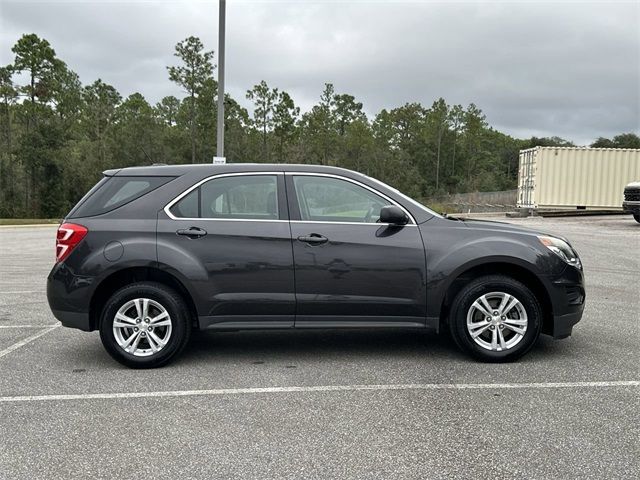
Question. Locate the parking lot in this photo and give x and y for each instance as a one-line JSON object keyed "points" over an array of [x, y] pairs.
{"points": [[325, 404]]}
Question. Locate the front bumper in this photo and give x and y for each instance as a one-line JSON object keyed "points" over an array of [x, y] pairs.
{"points": [[563, 324], [567, 295], [631, 207]]}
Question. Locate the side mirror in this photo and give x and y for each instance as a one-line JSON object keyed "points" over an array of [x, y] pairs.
{"points": [[393, 215]]}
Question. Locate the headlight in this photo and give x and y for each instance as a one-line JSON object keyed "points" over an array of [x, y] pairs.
{"points": [[562, 249]]}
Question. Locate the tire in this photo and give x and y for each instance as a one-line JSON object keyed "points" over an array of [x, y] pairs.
{"points": [[167, 321], [636, 217], [518, 329]]}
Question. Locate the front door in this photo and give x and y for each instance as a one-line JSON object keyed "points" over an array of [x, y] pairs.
{"points": [[351, 270], [230, 238]]}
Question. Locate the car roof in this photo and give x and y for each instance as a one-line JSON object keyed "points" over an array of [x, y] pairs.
{"points": [[197, 172], [211, 169]]}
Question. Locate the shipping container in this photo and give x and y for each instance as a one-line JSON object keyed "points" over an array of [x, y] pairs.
{"points": [[576, 177]]}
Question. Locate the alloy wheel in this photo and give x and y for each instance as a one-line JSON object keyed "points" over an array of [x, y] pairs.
{"points": [[142, 327], [497, 321]]}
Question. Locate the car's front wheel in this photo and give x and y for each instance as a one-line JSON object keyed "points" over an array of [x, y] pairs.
{"points": [[145, 325], [636, 216], [495, 318]]}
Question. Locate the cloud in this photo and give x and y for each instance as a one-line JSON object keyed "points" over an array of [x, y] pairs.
{"points": [[547, 68]]}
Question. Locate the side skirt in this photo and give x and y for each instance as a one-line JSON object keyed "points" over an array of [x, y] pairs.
{"points": [[268, 322]]}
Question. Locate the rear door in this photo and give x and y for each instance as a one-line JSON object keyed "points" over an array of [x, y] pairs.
{"points": [[229, 238], [350, 269]]}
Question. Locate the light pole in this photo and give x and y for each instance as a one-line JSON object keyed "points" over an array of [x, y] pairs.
{"points": [[220, 133]]}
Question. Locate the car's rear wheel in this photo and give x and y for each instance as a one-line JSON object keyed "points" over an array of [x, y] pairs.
{"points": [[636, 216], [495, 318], [145, 325]]}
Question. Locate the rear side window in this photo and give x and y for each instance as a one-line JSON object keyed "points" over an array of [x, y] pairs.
{"points": [[246, 197], [113, 192]]}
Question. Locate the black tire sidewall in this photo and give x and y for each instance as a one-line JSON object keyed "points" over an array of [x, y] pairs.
{"points": [[481, 286], [166, 297]]}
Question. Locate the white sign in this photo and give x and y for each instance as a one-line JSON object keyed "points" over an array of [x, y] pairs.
{"points": [[219, 160]]}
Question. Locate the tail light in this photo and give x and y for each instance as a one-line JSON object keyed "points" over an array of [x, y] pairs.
{"points": [[69, 235]]}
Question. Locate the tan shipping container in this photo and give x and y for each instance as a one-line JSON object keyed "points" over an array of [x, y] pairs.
{"points": [[576, 177]]}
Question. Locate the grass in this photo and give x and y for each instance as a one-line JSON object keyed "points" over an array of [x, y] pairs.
{"points": [[28, 221]]}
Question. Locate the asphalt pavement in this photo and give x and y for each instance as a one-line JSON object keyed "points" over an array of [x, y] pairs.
{"points": [[325, 404]]}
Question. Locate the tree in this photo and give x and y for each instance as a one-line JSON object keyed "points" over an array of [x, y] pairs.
{"points": [[547, 142], [36, 57], [318, 132], [627, 140], [602, 142], [136, 132], [456, 119], [191, 76], [474, 126], [439, 119], [347, 110], [264, 100], [8, 95], [100, 102], [358, 145], [206, 119], [238, 131], [167, 109], [66, 93], [285, 115], [624, 140], [57, 135]]}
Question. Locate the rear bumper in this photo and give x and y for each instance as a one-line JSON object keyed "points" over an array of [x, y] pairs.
{"points": [[69, 298], [73, 319]]}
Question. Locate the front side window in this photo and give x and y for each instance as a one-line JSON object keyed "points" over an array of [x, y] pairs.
{"points": [[328, 199], [250, 197]]}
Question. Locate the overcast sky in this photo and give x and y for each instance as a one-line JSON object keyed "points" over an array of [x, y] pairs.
{"points": [[535, 68]]}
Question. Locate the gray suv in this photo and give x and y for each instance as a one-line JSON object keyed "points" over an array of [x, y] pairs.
{"points": [[152, 253]]}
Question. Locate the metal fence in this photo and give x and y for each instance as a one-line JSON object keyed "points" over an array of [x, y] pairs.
{"points": [[476, 202]]}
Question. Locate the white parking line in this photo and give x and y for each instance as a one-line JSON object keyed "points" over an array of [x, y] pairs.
{"points": [[30, 339], [31, 225], [26, 326], [22, 291], [325, 388]]}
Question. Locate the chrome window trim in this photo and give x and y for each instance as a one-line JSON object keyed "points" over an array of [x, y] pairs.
{"points": [[167, 208], [381, 224], [360, 184]]}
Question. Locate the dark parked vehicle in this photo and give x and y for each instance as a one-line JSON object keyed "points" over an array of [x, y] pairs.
{"points": [[151, 253], [631, 203]]}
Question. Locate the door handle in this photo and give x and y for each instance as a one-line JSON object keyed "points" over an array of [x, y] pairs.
{"points": [[192, 232], [313, 239]]}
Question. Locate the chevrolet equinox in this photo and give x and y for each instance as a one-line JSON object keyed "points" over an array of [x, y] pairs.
{"points": [[152, 253]]}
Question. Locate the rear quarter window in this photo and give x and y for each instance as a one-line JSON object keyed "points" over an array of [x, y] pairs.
{"points": [[114, 192]]}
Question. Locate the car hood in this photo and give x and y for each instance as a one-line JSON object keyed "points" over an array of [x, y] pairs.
{"points": [[493, 226]]}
